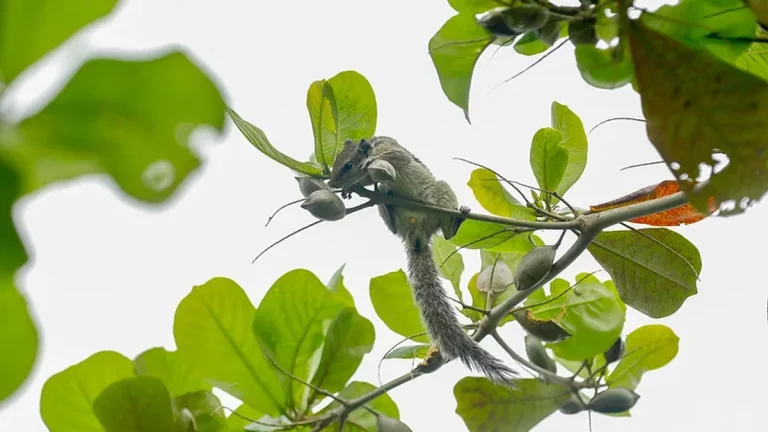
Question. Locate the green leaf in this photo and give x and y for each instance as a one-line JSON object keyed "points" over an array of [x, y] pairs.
{"points": [[135, 404], [607, 25], [171, 369], [474, 234], [12, 252], [362, 419], [548, 159], [702, 18], [595, 363], [259, 140], [647, 348], [67, 397], [754, 60], [131, 119], [591, 312], [18, 335], [450, 268], [530, 44], [341, 108], [31, 28], [473, 6], [604, 68], [236, 422], [495, 198], [290, 323], [408, 352], [204, 407], [213, 333], [336, 285], [574, 140], [653, 277], [485, 406], [349, 339], [393, 302], [455, 49]]}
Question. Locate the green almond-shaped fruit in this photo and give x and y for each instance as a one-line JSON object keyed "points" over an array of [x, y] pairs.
{"points": [[496, 278], [573, 406], [325, 205], [307, 185], [537, 354], [534, 266], [582, 32], [550, 32], [526, 17], [613, 400], [495, 23], [388, 424], [545, 330], [615, 352], [381, 171]]}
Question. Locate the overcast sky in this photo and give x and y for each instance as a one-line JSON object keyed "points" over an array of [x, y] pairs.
{"points": [[107, 273]]}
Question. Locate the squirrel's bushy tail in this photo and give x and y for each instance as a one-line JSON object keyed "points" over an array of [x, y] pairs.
{"points": [[440, 319]]}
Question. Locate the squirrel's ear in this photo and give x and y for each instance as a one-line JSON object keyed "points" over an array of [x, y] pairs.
{"points": [[348, 143], [364, 146]]}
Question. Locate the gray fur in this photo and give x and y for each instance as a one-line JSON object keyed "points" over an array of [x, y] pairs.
{"points": [[414, 181]]}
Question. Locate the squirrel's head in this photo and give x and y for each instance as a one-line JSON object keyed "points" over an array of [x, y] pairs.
{"points": [[348, 167]]}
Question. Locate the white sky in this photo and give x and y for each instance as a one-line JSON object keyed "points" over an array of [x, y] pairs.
{"points": [[107, 273]]}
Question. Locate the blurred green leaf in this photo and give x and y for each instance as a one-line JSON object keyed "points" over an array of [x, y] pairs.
{"points": [[290, 323], [131, 119], [591, 312], [336, 285], [408, 352], [349, 339], [485, 406], [362, 419], [135, 404], [451, 269], [12, 253], [18, 335], [213, 333], [595, 363], [455, 49], [548, 158], [67, 397], [474, 234], [393, 302], [473, 6], [647, 348], [259, 140], [236, 422], [341, 108], [574, 140], [171, 369], [702, 18], [653, 277], [754, 60], [495, 198], [204, 407], [604, 68], [31, 28]]}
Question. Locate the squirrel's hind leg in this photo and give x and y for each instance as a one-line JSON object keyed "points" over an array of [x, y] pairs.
{"points": [[446, 198]]}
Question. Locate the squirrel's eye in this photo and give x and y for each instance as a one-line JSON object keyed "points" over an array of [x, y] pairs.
{"points": [[347, 166]]}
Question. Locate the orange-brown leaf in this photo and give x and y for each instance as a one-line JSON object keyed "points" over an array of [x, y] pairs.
{"points": [[684, 214]]}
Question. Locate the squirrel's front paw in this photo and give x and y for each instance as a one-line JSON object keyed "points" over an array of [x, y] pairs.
{"points": [[464, 209], [346, 194]]}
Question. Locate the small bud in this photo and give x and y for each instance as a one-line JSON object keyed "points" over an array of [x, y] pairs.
{"points": [[537, 354], [615, 352], [534, 266], [325, 205], [381, 171], [573, 406], [307, 185], [496, 277], [388, 424], [613, 400]]}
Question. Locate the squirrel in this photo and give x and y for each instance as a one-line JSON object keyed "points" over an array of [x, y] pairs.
{"points": [[412, 180]]}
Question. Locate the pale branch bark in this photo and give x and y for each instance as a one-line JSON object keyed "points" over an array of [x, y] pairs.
{"points": [[590, 226]]}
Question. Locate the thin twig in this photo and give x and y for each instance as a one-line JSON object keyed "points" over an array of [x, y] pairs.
{"points": [[546, 374], [282, 207], [614, 119], [539, 60], [525, 199]]}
